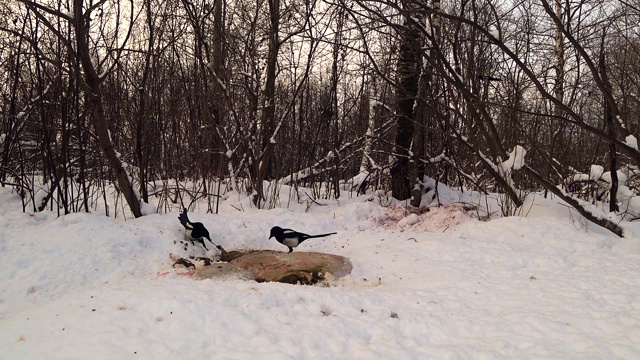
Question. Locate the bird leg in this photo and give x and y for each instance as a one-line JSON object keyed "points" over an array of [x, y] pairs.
{"points": [[205, 246], [222, 250]]}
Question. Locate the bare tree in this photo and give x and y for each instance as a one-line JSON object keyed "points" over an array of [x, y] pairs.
{"points": [[80, 19], [408, 70]]}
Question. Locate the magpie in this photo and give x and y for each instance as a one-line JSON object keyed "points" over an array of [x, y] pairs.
{"points": [[195, 230], [291, 238]]}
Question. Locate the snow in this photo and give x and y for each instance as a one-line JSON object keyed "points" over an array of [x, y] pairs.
{"points": [[356, 181], [374, 102], [411, 219], [628, 202], [444, 285], [622, 177], [494, 33], [145, 208], [631, 141], [622, 124], [515, 160], [596, 172], [580, 177]]}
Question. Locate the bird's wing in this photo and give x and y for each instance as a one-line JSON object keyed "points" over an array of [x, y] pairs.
{"points": [[199, 231], [294, 234]]}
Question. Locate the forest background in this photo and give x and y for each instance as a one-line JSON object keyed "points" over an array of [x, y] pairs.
{"points": [[166, 98]]}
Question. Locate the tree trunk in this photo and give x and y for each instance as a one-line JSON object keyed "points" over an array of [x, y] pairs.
{"points": [[143, 111], [94, 101], [426, 108], [557, 128], [262, 165], [608, 120], [408, 72]]}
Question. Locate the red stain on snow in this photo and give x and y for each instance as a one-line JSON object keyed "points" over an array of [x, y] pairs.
{"points": [[162, 274], [437, 218], [179, 273]]}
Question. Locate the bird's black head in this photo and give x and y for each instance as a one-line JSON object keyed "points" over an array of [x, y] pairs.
{"points": [[275, 231]]}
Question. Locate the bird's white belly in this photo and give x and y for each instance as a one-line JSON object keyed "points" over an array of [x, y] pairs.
{"points": [[293, 242]]}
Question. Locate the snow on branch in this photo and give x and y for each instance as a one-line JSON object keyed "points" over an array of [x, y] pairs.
{"points": [[586, 209], [515, 160], [317, 167]]}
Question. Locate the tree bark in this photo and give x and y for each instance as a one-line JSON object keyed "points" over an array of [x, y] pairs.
{"points": [[95, 102], [262, 165], [426, 100], [143, 111], [408, 72], [608, 120]]}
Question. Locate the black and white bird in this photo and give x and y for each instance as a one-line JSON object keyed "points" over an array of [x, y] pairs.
{"points": [[195, 231], [291, 238]]}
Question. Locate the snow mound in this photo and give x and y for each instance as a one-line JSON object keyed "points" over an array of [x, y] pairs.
{"points": [[443, 286], [437, 218]]}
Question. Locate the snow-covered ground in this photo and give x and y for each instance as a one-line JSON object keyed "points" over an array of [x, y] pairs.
{"points": [[442, 285]]}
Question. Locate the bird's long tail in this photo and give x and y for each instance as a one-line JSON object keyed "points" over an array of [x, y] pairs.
{"points": [[320, 235]]}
